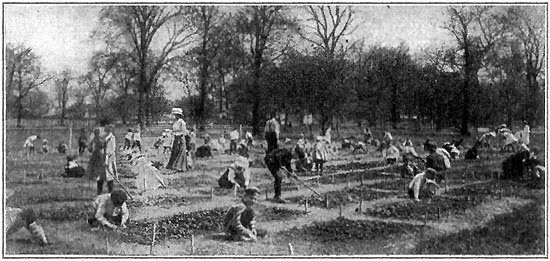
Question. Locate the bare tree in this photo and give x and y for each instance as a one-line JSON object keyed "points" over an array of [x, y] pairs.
{"points": [[264, 31], [529, 27], [25, 74], [99, 80], [137, 27], [14, 55], [62, 91], [330, 24], [209, 31], [477, 30]]}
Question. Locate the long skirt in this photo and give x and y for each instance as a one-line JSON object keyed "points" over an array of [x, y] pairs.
{"points": [[96, 167], [178, 156]]}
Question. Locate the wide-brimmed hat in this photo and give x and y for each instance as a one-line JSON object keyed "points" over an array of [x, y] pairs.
{"points": [[177, 111]]}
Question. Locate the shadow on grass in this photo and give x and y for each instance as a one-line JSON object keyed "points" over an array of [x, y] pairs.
{"points": [[520, 232]]}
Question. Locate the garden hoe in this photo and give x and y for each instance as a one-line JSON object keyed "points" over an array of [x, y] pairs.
{"points": [[300, 181]]}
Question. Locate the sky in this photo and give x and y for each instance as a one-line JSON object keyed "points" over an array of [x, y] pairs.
{"points": [[60, 33]]}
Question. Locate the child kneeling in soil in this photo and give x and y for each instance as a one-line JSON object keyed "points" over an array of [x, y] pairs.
{"points": [[238, 173], [111, 210], [239, 221], [16, 218], [73, 169], [423, 185]]}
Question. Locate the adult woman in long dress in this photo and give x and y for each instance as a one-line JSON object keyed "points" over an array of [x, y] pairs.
{"points": [[178, 155]]}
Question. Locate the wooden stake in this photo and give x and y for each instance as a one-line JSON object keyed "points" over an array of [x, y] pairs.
{"points": [[326, 201], [70, 137], [438, 213], [192, 244], [425, 219], [144, 185], [347, 181], [361, 205], [306, 206], [211, 193], [267, 193], [235, 190], [107, 244], [332, 178], [290, 249], [153, 238]]}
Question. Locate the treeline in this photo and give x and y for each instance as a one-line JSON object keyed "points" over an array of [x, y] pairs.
{"points": [[244, 63]]}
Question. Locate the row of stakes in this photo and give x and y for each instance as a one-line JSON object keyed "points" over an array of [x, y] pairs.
{"points": [[192, 243]]}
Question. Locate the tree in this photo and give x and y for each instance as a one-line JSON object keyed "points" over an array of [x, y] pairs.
{"points": [[62, 91], [25, 74], [137, 28], [264, 31], [124, 76], [209, 31], [14, 54], [528, 25], [330, 25], [477, 29], [231, 59], [99, 79], [78, 109]]}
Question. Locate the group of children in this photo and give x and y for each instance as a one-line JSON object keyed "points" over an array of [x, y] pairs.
{"points": [[132, 139]]}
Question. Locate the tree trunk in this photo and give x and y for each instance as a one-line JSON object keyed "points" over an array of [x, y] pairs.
{"points": [[394, 114], [19, 111], [140, 108]]}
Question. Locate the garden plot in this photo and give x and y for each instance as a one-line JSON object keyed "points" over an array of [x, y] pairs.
{"points": [[342, 197], [199, 222], [344, 230], [430, 209]]}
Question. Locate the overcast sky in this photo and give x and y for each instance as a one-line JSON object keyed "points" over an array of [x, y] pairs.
{"points": [[59, 33]]}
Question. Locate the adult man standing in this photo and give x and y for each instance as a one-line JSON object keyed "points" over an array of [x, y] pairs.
{"points": [[275, 161], [272, 134], [239, 222]]}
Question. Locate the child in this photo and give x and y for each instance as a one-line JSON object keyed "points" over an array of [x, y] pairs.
{"points": [[16, 218], [45, 147], [110, 159], [73, 168], [249, 139], [192, 142], [390, 153], [128, 139], [237, 174], [82, 141], [29, 143], [62, 148], [319, 154], [110, 210], [422, 185], [137, 139], [167, 141]]}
